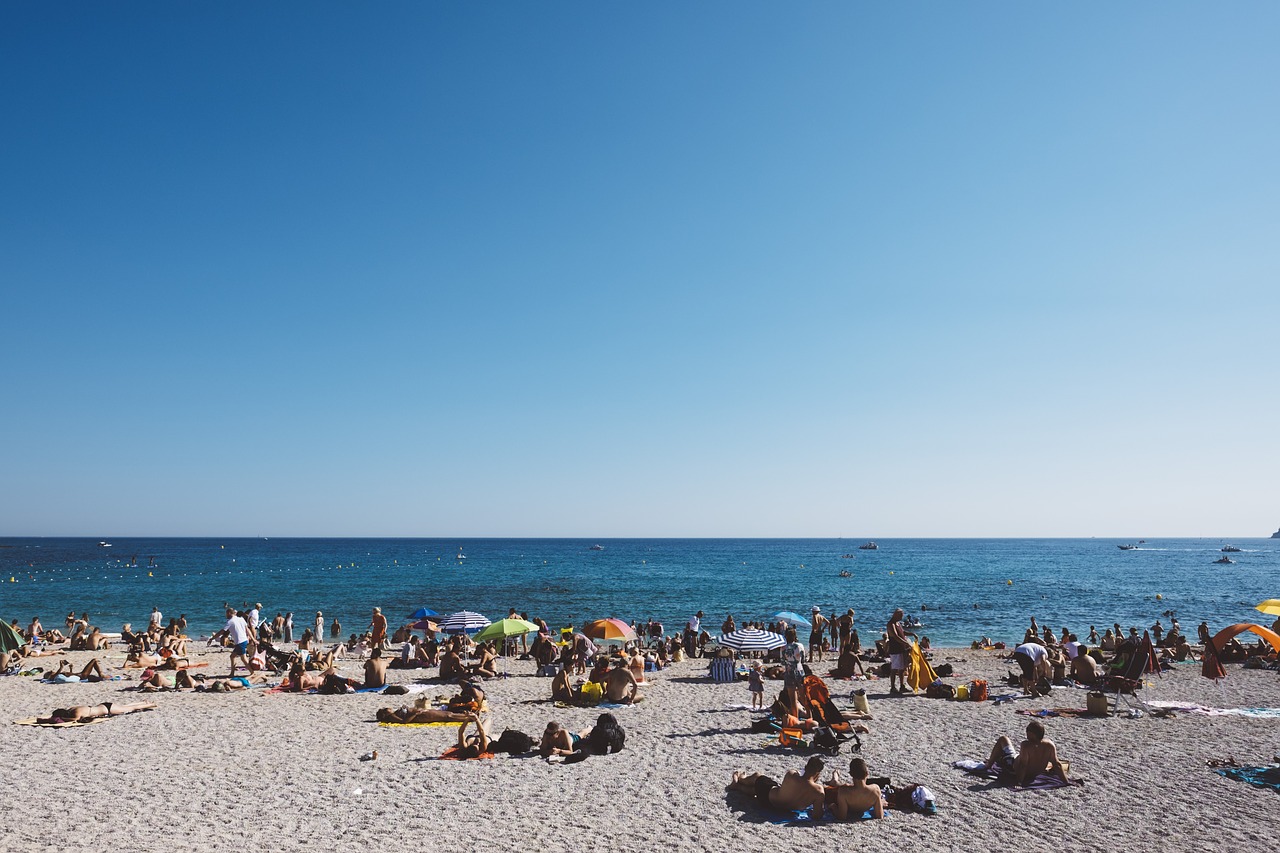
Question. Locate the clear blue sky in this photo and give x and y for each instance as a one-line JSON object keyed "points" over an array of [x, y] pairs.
{"points": [[739, 269]]}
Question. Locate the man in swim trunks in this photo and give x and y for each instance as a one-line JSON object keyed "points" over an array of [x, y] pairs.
{"points": [[798, 791], [557, 740], [620, 686], [818, 628], [852, 801], [1037, 755], [898, 649]]}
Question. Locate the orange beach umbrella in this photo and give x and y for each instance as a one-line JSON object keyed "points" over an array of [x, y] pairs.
{"points": [[609, 630]]}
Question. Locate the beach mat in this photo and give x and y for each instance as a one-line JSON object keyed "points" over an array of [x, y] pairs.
{"points": [[35, 721], [1043, 782], [451, 754], [1056, 712], [420, 725], [1258, 777]]}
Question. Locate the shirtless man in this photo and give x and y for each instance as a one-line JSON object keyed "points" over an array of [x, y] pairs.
{"points": [[557, 740], [1037, 755], [898, 649], [797, 792], [857, 798], [35, 629], [421, 715], [620, 686], [819, 626], [375, 670], [451, 664]]}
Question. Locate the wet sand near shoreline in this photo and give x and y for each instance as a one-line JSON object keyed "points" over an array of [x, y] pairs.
{"points": [[214, 771]]}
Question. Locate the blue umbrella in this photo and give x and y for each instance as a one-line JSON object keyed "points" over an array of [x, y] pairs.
{"points": [[463, 622], [752, 640], [793, 618], [423, 613]]}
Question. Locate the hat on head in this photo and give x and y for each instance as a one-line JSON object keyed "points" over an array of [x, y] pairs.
{"points": [[816, 608]]}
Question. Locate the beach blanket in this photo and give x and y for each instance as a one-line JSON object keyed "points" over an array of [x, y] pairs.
{"points": [[451, 754], [806, 818], [1056, 712], [1258, 777], [606, 705], [1043, 782], [35, 721], [420, 725], [1261, 713]]}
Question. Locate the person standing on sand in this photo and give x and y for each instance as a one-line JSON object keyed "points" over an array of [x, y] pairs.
{"points": [[288, 627], [237, 631], [815, 633], [378, 624], [898, 649], [691, 633], [844, 624], [318, 634], [793, 660], [155, 618]]}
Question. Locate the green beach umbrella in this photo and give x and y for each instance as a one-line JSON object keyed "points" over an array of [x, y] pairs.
{"points": [[10, 639], [504, 628]]}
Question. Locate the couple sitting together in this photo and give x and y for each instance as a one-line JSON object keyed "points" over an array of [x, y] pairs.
{"points": [[806, 791]]}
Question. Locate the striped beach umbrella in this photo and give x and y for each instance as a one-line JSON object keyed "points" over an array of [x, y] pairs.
{"points": [[752, 640], [463, 622]]}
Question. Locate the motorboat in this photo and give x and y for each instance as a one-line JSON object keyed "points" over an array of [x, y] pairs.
{"points": [[1127, 547], [870, 546], [847, 556], [1224, 560], [597, 547], [104, 544], [1230, 549]]}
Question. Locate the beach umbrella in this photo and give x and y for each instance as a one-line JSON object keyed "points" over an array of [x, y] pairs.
{"points": [[792, 618], [1271, 607], [423, 613], [425, 625], [463, 622], [609, 631], [752, 640], [10, 640], [504, 628]]}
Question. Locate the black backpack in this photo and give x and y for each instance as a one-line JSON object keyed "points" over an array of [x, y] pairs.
{"points": [[513, 742]]}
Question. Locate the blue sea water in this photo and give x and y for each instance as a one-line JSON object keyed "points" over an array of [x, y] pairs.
{"points": [[1071, 582]]}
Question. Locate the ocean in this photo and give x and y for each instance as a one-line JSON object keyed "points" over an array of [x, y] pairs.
{"points": [[971, 587]]}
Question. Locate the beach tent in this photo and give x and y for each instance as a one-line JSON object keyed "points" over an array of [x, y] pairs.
{"points": [[9, 638], [1220, 638]]}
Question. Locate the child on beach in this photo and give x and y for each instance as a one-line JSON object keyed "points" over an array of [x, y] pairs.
{"points": [[756, 684]]}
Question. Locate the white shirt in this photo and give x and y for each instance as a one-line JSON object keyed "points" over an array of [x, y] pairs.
{"points": [[1035, 651], [1072, 649], [253, 620], [237, 630], [695, 624], [155, 617]]}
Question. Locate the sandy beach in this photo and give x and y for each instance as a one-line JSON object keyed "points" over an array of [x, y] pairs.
{"points": [[217, 771]]}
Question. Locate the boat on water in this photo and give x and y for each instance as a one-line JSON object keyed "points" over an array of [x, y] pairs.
{"points": [[104, 544], [845, 573], [597, 547], [1230, 549], [870, 546], [847, 556], [1224, 560], [1127, 547]]}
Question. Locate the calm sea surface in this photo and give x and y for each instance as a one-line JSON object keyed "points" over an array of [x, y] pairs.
{"points": [[1072, 582]]}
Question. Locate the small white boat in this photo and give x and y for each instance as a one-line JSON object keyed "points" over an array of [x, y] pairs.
{"points": [[870, 546], [1127, 547], [597, 547], [104, 544], [1230, 549]]}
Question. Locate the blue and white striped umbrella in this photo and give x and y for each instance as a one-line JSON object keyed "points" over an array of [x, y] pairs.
{"points": [[752, 640], [463, 622]]}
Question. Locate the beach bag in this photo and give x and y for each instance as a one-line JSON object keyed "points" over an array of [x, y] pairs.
{"points": [[1096, 704], [939, 690], [978, 690], [513, 742], [860, 700], [764, 726], [591, 693], [943, 670]]}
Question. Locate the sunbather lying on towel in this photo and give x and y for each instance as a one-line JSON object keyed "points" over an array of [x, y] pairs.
{"points": [[1037, 755], [421, 715], [84, 713], [798, 791], [91, 672]]}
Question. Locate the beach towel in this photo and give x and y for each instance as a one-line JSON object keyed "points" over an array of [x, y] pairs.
{"points": [[1056, 712], [806, 818], [1258, 777], [1260, 713], [35, 721], [1043, 782], [421, 725], [451, 754]]}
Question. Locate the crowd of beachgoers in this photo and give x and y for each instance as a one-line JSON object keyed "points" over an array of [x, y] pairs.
{"points": [[811, 682]]}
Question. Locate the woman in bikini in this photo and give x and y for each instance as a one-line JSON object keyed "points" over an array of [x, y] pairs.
{"points": [[84, 713]]}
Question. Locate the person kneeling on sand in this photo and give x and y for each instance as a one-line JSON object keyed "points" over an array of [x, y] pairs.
{"points": [[798, 791], [1037, 755], [852, 801]]}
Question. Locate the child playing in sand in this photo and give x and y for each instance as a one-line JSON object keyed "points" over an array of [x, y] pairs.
{"points": [[756, 684]]}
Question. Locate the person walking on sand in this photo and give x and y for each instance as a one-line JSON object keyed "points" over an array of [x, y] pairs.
{"points": [[898, 651], [237, 632]]}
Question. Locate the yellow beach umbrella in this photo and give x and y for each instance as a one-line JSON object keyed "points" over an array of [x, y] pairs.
{"points": [[1271, 607]]}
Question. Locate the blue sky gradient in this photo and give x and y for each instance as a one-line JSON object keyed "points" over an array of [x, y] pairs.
{"points": [[718, 269]]}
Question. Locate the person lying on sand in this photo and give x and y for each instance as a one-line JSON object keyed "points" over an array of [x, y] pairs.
{"points": [[1037, 755], [405, 714], [91, 672], [557, 740], [474, 745], [84, 713], [857, 798], [798, 791]]}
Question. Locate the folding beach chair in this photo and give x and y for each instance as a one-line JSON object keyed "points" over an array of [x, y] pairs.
{"points": [[1127, 680], [722, 666]]}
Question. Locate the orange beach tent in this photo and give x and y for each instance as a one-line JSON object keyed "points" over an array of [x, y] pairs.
{"points": [[1212, 668]]}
